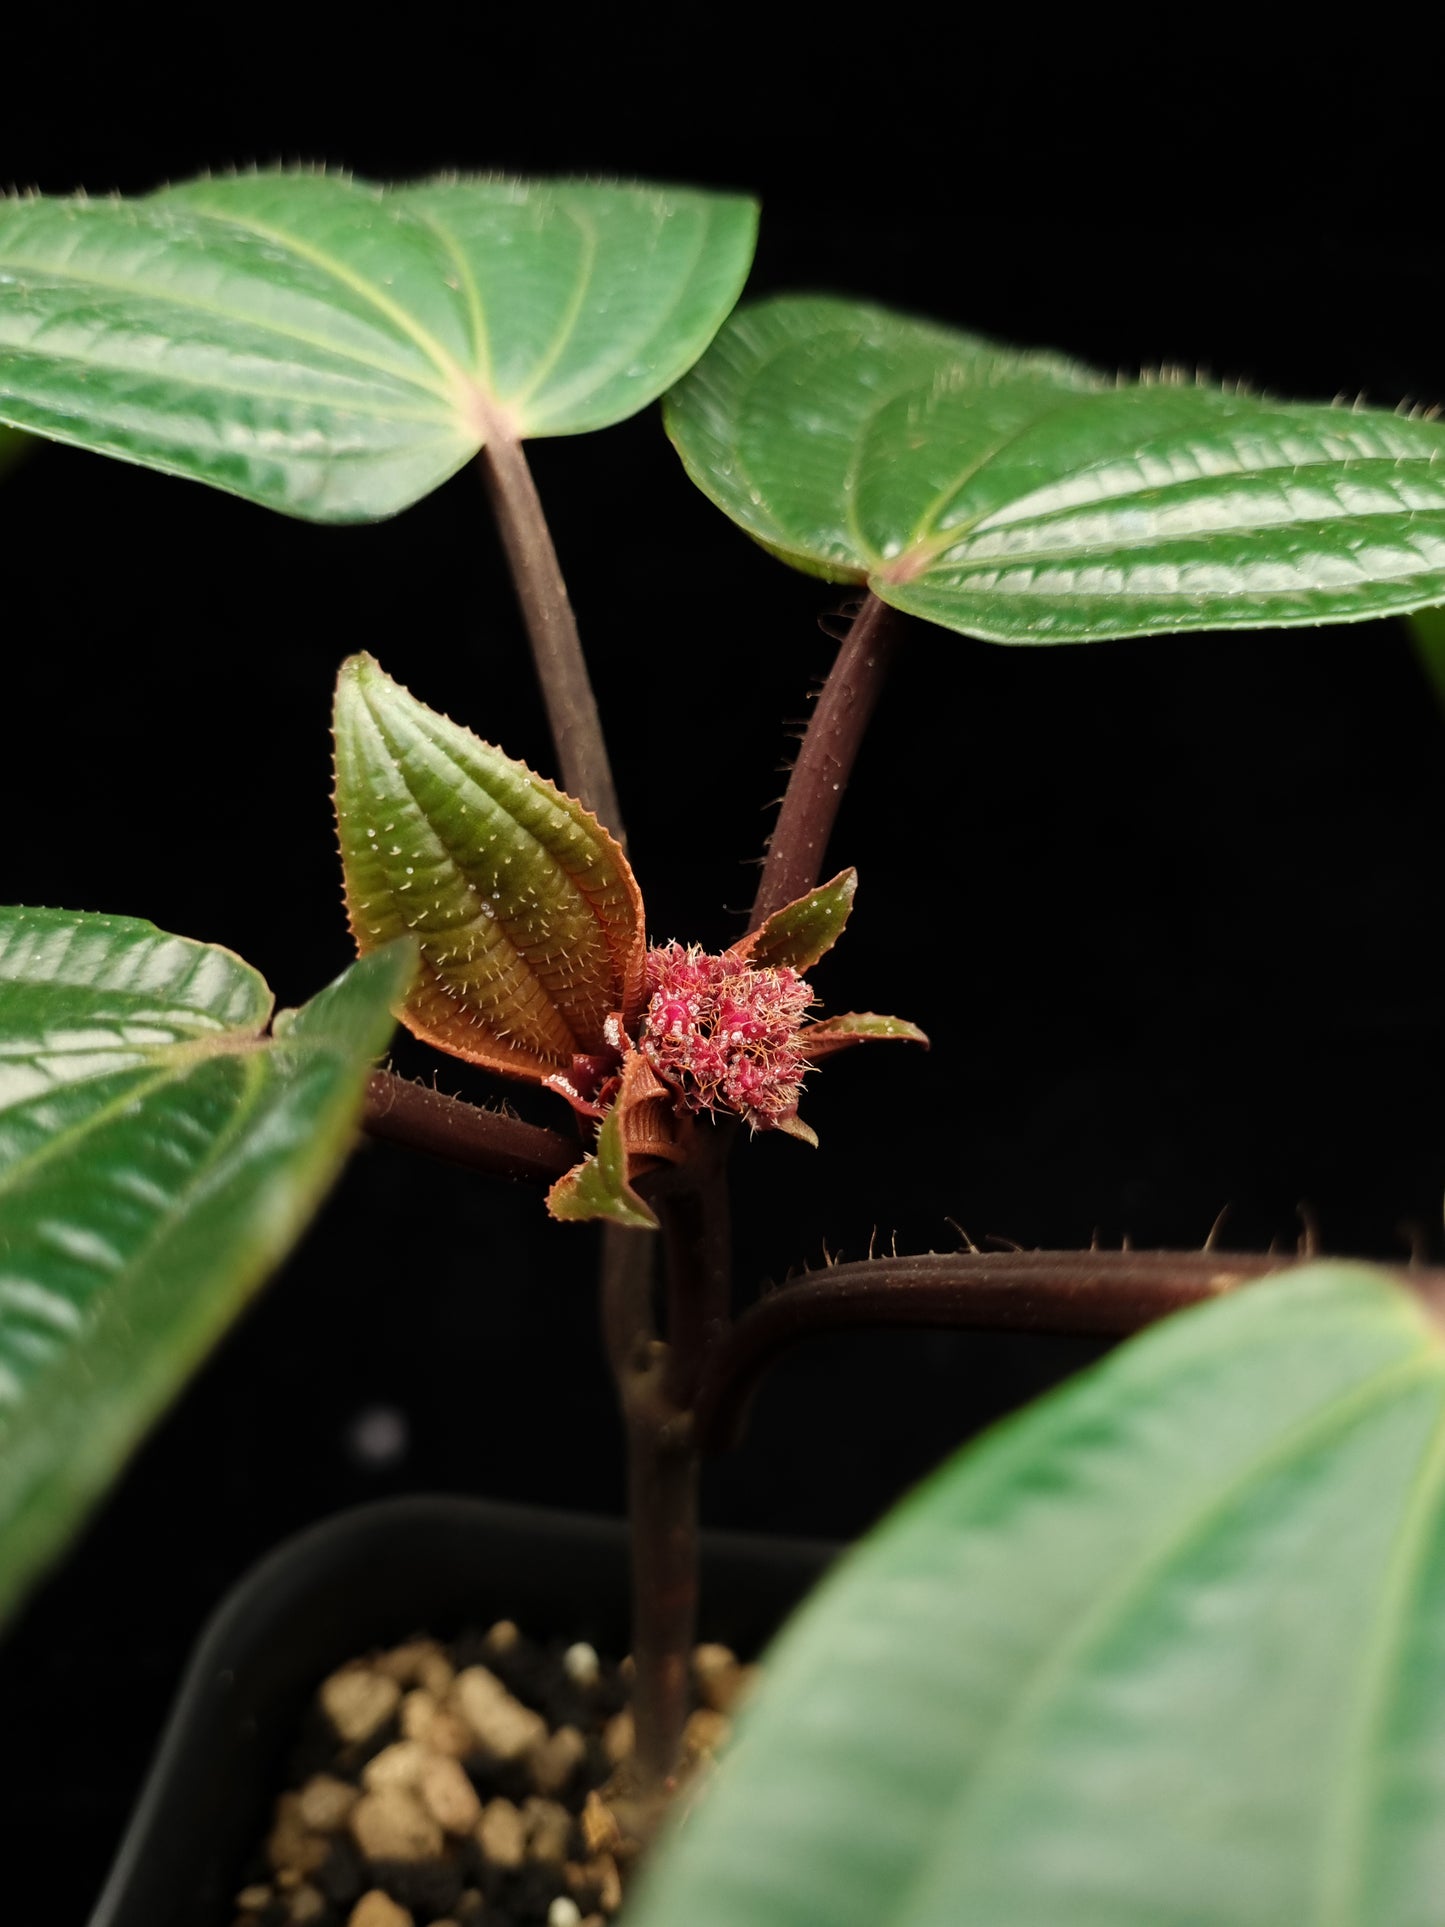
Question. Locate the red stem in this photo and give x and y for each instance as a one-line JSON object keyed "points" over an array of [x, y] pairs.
{"points": [[584, 768], [825, 761], [462, 1133], [1100, 1293]]}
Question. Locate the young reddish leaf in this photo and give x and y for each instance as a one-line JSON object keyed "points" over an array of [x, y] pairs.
{"points": [[598, 1188], [855, 1027], [646, 1113], [529, 919], [802, 932], [638, 1132]]}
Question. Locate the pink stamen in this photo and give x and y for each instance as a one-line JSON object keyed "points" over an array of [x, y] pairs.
{"points": [[725, 1034]]}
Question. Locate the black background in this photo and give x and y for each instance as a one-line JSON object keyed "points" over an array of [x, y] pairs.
{"points": [[1168, 909]]}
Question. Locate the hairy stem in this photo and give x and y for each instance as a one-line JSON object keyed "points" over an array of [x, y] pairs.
{"points": [[583, 764], [830, 745], [662, 1480], [693, 1203], [659, 1382], [661, 1504], [1109, 1293], [661, 1457], [629, 1329], [656, 1379], [448, 1127]]}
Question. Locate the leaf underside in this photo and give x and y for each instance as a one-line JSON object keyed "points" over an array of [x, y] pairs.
{"points": [[336, 350], [1163, 1651], [529, 919], [158, 1156], [1028, 500]]}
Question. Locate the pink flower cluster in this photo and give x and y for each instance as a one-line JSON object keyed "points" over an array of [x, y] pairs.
{"points": [[724, 1033]]}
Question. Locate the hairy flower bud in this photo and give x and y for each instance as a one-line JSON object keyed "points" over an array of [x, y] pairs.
{"points": [[725, 1034]]}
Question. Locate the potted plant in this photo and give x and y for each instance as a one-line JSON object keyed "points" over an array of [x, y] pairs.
{"points": [[1082, 1617]]}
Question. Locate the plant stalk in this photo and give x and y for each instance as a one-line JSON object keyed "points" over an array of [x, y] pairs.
{"points": [[693, 1203], [450, 1128], [662, 1481], [584, 767], [825, 759], [662, 1461], [662, 1469], [1064, 1293], [659, 1381]]}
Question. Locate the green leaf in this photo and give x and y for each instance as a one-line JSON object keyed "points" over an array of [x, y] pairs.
{"points": [[336, 350], [529, 919], [598, 1186], [800, 933], [1164, 1651], [794, 418], [1026, 501], [850, 1027], [158, 1156]]}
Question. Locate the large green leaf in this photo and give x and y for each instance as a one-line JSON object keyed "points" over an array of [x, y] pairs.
{"points": [[336, 350], [1026, 500], [528, 916], [159, 1153], [1168, 1650]]}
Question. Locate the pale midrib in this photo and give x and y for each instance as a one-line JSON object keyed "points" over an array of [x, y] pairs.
{"points": [[1276, 477], [1096, 1625], [1344, 1833], [726, 400], [1128, 554], [168, 297], [864, 551], [476, 308], [174, 1061], [565, 328], [598, 374], [252, 391], [923, 528], [441, 358]]}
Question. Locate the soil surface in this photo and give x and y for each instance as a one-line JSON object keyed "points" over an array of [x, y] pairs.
{"points": [[483, 1783]]}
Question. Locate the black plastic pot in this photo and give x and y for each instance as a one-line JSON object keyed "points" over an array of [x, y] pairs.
{"points": [[366, 1577]]}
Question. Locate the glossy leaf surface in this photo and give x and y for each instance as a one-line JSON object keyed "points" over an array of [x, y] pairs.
{"points": [[158, 1155], [1028, 501], [336, 350], [1164, 1651], [528, 916], [802, 932]]}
